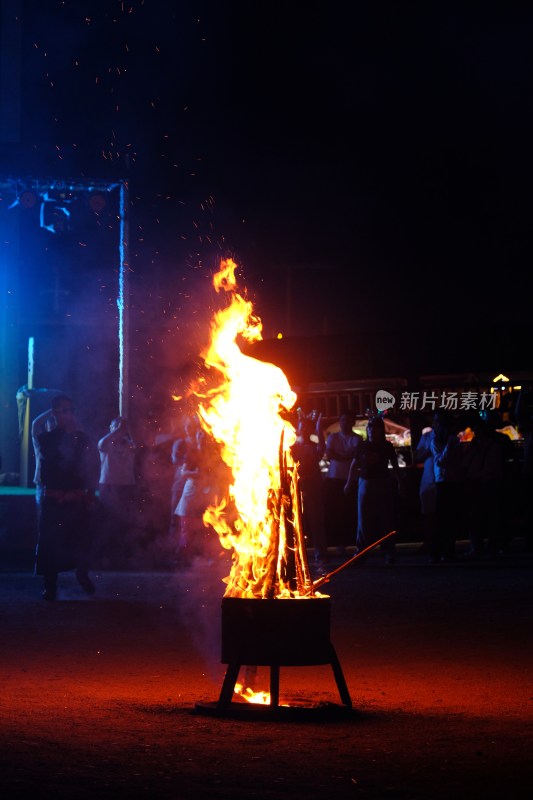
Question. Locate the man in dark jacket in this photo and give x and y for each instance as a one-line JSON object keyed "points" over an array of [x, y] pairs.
{"points": [[70, 468]]}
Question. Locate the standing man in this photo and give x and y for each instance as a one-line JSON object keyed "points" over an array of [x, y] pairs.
{"points": [[70, 468], [44, 422], [117, 491], [376, 464], [340, 506]]}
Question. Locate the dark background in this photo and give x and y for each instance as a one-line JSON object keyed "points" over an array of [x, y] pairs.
{"points": [[369, 168]]}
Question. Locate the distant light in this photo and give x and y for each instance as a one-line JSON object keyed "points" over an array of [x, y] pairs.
{"points": [[280, 335], [54, 218], [27, 199], [500, 378]]}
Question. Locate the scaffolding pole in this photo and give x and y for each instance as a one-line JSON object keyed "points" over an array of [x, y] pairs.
{"points": [[26, 428], [123, 301]]}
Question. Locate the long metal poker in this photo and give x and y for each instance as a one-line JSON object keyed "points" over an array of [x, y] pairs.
{"points": [[325, 578]]}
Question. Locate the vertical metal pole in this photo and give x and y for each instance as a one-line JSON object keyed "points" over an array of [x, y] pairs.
{"points": [[25, 441], [123, 304], [9, 360], [10, 133]]}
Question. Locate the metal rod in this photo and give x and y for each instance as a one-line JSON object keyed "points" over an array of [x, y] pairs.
{"points": [[325, 578], [123, 304], [26, 437]]}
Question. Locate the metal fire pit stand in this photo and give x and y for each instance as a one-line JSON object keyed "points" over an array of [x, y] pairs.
{"points": [[275, 633], [232, 674]]}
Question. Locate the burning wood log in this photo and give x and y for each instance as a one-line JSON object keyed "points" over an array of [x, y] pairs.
{"points": [[304, 583], [271, 578]]}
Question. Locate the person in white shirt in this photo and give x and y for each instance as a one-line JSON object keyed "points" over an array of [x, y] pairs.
{"points": [[117, 490], [44, 422]]}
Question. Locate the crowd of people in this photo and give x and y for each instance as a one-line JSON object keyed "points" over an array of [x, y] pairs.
{"points": [[90, 499], [95, 500], [468, 486]]}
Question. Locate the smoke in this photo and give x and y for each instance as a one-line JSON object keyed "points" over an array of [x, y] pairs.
{"points": [[200, 590]]}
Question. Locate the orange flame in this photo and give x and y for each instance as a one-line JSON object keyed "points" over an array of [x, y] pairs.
{"points": [[259, 698], [243, 413]]}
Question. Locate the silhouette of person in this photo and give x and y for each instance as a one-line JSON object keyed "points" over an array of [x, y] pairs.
{"points": [[524, 420], [508, 489], [180, 448], [307, 453], [484, 460], [340, 504], [117, 490], [43, 422], [69, 477], [206, 482], [427, 491], [447, 453], [376, 465]]}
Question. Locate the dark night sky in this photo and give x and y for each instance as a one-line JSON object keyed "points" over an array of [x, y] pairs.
{"points": [[370, 171]]}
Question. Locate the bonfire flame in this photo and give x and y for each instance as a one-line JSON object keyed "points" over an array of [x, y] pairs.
{"points": [[258, 698], [260, 520]]}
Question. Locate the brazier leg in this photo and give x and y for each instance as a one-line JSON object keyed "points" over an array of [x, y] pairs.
{"points": [[230, 679], [274, 685], [339, 678]]}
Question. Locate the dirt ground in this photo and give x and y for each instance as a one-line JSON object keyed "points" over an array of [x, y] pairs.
{"points": [[102, 696]]}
